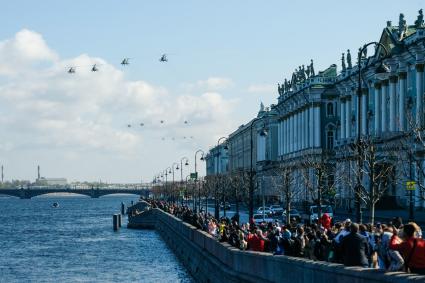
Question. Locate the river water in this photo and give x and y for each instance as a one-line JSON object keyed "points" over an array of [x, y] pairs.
{"points": [[75, 243]]}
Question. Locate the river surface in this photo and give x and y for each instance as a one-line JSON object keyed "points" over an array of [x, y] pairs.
{"points": [[75, 243]]}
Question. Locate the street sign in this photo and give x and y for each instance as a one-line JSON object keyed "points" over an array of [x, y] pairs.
{"points": [[194, 176], [410, 185]]}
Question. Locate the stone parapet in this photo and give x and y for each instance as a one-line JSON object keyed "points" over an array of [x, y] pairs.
{"points": [[211, 261]]}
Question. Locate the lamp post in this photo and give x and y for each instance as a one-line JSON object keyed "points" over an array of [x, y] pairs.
{"points": [[174, 166], [167, 171], [382, 69], [181, 169], [186, 190], [251, 170], [196, 178], [216, 203]]}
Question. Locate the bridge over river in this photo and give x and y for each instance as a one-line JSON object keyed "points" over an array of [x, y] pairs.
{"points": [[29, 192]]}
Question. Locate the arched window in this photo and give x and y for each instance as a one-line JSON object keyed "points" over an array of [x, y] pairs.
{"points": [[330, 109], [330, 139]]}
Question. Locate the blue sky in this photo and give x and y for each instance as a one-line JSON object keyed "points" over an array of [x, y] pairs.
{"points": [[225, 57]]}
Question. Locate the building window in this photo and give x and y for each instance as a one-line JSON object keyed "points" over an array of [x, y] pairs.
{"points": [[330, 140], [330, 109]]}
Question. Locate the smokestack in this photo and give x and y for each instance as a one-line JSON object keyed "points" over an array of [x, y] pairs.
{"points": [[38, 172], [2, 174]]}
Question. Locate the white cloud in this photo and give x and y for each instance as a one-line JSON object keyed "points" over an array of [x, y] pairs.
{"points": [[44, 107], [210, 84], [262, 88]]}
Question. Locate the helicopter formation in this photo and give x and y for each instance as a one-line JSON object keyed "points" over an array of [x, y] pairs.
{"points": [[124, 62]]}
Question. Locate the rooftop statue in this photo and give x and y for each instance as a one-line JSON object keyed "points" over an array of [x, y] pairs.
{"points": [[343, 62], [261, 107], [312, 68], [420, 21], [303, 76], [389, 24], [307, 71], [279, 89], [349, 59], [286, 85], [402, 27]]}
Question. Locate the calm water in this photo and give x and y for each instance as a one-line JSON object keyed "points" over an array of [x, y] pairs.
{"points": [[76, 243]]}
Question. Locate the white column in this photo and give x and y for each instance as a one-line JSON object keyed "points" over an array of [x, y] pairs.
{"points": [[364, 112], [419, 94], [280, 151], [295, 131], [401, 100], [303, 126], [384, 108], [378, 110], [299, 131], [317, 129], [306, 128], [342, 118], [393, 85], [285, 136], [348, 118], [291, 134], [311, 127]]}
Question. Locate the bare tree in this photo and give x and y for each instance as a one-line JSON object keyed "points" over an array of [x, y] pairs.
{"points": [[378, 166], [283, 179], [319, 177]]}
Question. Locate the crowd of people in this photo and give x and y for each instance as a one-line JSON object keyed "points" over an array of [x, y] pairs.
{"points": [[393, 246]]}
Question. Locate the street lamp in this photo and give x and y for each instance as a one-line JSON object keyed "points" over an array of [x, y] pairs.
{"points": [[225, 147], [196, 177], [174, 166], [251, 171], [181, 169], [167, 171], [380, 72]]}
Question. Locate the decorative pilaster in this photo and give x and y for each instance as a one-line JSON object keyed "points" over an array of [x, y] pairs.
{"points": [[419, 94], [378, 112], [384, 97], [317, 129], [402, 76], [348, 118], [342, 118], [311, 125], [393, 88]]}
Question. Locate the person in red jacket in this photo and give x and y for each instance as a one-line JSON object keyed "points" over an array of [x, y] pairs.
{"points": [[256, 242], [325, 221], [412, 248]]}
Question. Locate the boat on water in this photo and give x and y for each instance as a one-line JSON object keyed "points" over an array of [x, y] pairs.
{"points": [[55, 205]]}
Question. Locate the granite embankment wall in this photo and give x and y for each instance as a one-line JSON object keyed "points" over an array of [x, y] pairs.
{"points": [[210, 261]]}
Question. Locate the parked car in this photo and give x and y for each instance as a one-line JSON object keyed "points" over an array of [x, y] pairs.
{"points": [[258, 218], [276, 209], [266, 209], [293, 214]]}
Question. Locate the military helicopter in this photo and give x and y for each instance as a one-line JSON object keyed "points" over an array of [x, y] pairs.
{"points": [[163, 58], [125, 61], [71, 70], [94, 68]]}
